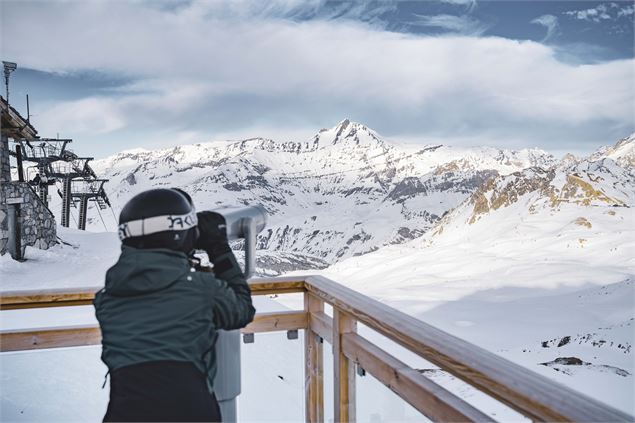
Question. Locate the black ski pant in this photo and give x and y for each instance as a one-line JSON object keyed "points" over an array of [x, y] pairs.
{"points": [[160, 391]]}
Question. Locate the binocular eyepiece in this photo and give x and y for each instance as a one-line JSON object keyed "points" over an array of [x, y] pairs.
{"points": [[239, 220]]}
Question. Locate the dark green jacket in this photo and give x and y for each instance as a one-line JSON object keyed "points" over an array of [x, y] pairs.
{"points": [[154, 306]]}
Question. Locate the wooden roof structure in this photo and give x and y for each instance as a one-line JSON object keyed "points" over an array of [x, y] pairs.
{"points": [[13, 124]]}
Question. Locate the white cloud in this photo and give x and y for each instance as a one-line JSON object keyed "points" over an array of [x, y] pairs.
{"points": [[464, 25], [602, 12], [191, 68], [626, 11], [469, 4], [298, 10], [548, 21], [87, 116], [243, 9]]}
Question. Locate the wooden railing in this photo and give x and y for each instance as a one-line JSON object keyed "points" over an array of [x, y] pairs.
{"points": [[533, 395]]}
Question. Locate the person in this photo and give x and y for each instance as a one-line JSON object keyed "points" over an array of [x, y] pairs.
{"points": [[159, 316], [36, 180]]}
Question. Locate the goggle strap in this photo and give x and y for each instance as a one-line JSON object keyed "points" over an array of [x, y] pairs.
{"points": [[155, 224]]}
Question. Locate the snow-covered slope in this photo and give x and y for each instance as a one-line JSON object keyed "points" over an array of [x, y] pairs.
{"points": [[343, 193], [537, 266]]}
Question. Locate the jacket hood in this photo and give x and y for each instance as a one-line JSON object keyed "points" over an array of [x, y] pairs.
{"points": [[143, 271]]}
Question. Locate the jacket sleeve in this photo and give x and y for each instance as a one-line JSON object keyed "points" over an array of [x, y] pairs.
{"points": [[232, 304]]}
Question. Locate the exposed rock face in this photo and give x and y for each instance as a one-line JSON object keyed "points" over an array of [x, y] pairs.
{"points": [[581, 221], [501, 192], [130, 179], [407, 188], [585, 182], [597, 184], [578, 190], [563, 364], [406, 234]]}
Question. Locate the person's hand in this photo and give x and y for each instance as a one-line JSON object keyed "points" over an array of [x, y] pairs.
{"points": [[213, 233]]}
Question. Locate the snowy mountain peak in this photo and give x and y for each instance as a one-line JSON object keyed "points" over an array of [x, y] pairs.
{"points": [[569, 160], [623, 152], [345, 134], [348, 133]]}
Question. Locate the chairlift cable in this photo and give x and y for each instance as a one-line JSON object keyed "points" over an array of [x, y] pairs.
{"points": [[113, 215], [101, 217], [74, 220]]}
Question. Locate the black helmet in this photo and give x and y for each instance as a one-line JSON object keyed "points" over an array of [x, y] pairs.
{"points": [[159, 218]]}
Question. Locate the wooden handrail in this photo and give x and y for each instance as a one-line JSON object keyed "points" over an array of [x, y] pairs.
{"points": [[57, 337], [66, 297], [434, 401], [80, 335], [531, 394]]}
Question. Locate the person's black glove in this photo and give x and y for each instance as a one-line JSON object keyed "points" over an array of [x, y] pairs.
{"points": [[213, 234]]}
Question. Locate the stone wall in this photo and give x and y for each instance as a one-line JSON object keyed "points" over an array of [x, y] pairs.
{"points": [[36, 222], [5, 179]]}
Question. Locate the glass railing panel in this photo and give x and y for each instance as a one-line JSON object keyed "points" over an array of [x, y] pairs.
{"points": [[275, 302], [63, 384], [377, 404], [272, 379], [47, 317], [471, 395]]}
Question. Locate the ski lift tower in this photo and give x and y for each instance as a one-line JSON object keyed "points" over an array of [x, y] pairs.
{"points": [[73, 168], [44, 152], [89, 190], [55, 162]]}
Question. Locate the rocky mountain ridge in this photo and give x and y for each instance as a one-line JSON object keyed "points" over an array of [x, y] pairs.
{"points": [[604, 179], [596, 190], [344, 192]]}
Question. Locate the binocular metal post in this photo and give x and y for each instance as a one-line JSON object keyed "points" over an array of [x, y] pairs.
{"points": [[242, 223], [250, 231], [227, 379]]}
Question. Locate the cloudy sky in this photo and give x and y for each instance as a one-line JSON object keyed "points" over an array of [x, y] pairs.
{"points": [[116, 75]]}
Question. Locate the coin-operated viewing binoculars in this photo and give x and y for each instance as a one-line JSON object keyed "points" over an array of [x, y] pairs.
{"points": [[242, 223], [245, 223]]}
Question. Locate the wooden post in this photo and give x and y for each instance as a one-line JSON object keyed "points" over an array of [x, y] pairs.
{"points": [[343, 369], [18, 159], [313, 365]]}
